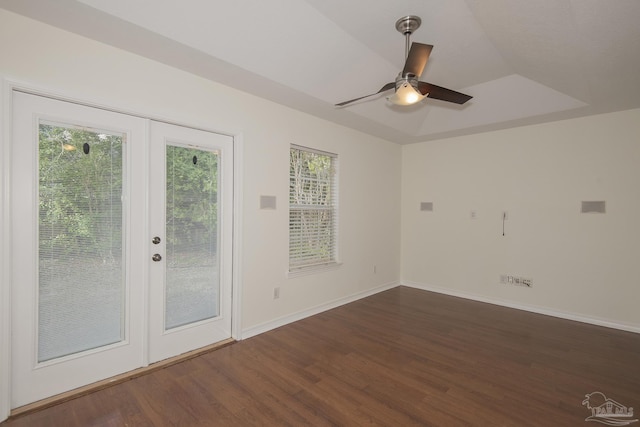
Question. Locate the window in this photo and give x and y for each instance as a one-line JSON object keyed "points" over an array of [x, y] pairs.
{"points": [[312, 208]]}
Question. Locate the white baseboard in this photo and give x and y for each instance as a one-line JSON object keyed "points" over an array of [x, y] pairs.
{"points": [[533, 309], [281, 321]]}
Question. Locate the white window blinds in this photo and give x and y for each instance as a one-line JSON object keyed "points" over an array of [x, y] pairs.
{"points": [[81, 280], [312, 208]]}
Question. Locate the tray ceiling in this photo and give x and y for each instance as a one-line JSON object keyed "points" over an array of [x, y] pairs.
{"points": [[523, 62]]}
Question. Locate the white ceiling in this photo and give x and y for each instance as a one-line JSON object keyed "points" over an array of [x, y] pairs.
{"points": [[523, 61]]}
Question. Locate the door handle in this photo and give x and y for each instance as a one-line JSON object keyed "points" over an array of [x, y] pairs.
{"points": [[155, 240], [156, 257]]}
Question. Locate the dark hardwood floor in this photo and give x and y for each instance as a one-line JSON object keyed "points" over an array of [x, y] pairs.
{"points": [[399, 358]]}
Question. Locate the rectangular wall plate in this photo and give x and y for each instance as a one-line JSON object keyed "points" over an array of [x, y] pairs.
{"points": [[593, 207], [426, 206], [268, 202]]}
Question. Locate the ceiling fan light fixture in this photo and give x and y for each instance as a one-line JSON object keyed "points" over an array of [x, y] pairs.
{"points": [[406, 94]]}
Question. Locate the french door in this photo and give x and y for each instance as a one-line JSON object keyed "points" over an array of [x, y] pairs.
{"points": [[191, 242], [121, 243]]}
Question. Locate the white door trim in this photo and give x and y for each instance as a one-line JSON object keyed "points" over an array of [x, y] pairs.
{"points": [[5, 262], [6, 97], [236, 280]]}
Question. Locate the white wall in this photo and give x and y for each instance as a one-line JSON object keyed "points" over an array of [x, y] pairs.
{"points": [[583, 266], [73, 66]]}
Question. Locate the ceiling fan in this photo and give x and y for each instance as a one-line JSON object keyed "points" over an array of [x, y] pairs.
{"points": [[408, 89]]}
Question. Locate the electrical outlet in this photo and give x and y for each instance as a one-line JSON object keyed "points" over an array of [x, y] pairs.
{"points": [[276, 293], [516, 281]]}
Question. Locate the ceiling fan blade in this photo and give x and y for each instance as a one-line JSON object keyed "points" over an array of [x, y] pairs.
{"points": [[383, 89], [443, 93], [417, 59]]}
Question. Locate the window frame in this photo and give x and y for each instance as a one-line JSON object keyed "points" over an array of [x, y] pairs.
{"points": [[318, 264]]}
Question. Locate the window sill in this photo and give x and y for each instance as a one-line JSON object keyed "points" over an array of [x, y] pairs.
{"points": [[305, 271]]}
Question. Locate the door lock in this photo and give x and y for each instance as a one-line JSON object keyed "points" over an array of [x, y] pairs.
{"points": [[155, 240], [156, 257]]}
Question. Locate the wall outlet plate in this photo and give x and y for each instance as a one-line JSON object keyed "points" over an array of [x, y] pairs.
{"points": [[516, 281]]}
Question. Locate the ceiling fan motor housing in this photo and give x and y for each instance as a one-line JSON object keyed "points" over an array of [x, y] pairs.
{"points": [[408, 79]]}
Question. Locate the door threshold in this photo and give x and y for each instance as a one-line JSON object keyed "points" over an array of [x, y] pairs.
{"points": [[108, 382]]}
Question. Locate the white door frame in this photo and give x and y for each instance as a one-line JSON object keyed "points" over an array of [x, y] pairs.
{"points": [[5, 263], [6, 106]]}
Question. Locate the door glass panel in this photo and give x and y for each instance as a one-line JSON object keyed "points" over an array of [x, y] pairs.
{"points": [[192, 279], [81, 271]]}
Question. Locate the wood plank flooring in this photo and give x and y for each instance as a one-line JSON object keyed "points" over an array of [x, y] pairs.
{"points": [[399, 358]]}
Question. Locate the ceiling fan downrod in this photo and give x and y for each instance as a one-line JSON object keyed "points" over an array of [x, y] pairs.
{"points": [[407, 25]]}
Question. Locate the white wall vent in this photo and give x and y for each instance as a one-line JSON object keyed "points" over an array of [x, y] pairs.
{"points": [[593, 207]]}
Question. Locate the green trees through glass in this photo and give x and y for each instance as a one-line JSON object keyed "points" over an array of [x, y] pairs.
{"points": [[80, 268], [312, 208], [80, 193]]}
